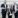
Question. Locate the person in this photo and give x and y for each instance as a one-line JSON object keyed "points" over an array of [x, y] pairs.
{"points": [[4, 13], [16, 14]]}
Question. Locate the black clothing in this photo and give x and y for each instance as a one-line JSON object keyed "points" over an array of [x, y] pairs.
{"points": [[3, 13], [3, 5], [13, 8], [9, 15], [16, 14]]}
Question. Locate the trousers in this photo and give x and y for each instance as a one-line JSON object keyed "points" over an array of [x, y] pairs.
{"points": [[3, 13]]}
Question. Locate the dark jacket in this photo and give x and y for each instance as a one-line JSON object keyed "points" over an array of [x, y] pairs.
{"points": [[16, 14], [3, 5], [3, 12]]}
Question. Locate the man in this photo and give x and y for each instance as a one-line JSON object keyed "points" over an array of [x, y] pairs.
{"points": [[3, 12], [16, 14]]}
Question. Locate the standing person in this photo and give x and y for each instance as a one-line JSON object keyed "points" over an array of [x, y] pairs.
{"points": [[4, 12], [10, 16], [16, 14]]}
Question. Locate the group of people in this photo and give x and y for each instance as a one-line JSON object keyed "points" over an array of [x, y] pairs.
{"points": [[4, 12]]}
